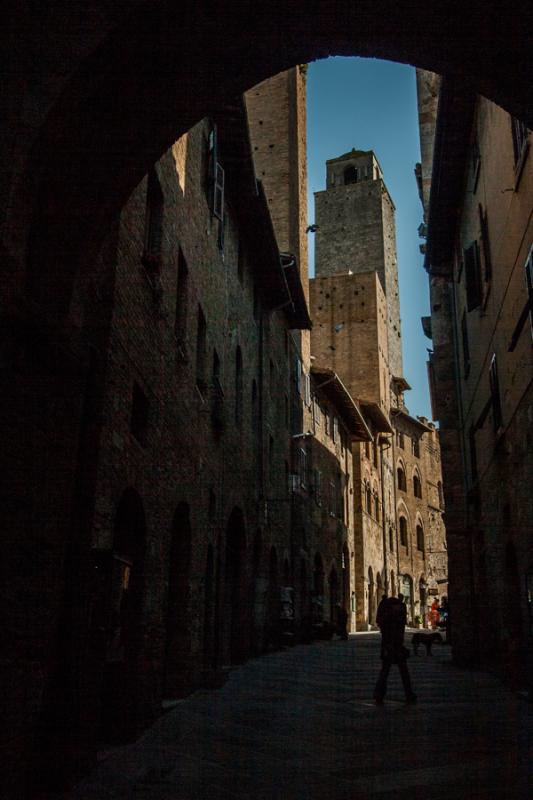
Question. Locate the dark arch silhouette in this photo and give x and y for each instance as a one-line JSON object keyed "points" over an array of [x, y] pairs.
{"points": [[120, 682], [177, 645], [89, 151]]}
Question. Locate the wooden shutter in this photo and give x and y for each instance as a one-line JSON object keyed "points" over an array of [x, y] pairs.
{"points": [[472, 274], [495, 394]]}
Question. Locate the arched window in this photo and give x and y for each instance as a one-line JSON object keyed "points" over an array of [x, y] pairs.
{"points": [[238, 386], [402, 483], [368, 498], [417, 486], [403, 533], [350, 175], [420, 538]]}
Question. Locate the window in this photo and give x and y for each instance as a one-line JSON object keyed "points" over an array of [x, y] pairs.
{"points": [[417, 486], [367, 450], [298, 375], [376, 507], [302, 467], [472, 276], [420, 538], [139, 414], [403, 533], [335, 429], [519, 133], [415, 446], [255, 410], [332, 499], [402, 482], [201, 351], [238, 386], [368, 493], [466, 346], [495, 395], [182, 285], [485, 242], [391, 540], [351, 175], [307, 388], [318, 487], [317, 411]]}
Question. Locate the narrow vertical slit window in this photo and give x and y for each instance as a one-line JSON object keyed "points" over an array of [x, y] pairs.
{"points": [[182, 287], [201, 351], [466, 346], [238, 386], [495, 395]]}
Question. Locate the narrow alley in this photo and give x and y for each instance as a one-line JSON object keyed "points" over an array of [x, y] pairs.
{"points": [[301, 725]]}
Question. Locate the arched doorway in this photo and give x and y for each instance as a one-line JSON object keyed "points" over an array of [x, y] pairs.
{"points": [[407, 591], [120, 684], [318, 589], [333, 595], [257, 593], [209, 596], [513, 660], [346, 584], [379, 589], [422, 588], [371, 597], [235, 588], [178, 645]]}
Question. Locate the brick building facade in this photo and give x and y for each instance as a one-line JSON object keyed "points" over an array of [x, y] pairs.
{"points": [[356, 328], [478, 257]]}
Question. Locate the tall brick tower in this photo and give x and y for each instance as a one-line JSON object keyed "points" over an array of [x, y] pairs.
{"points": [[356, 233]]}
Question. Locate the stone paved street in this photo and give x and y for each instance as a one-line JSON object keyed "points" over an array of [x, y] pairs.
{"points": [[301, 725]]}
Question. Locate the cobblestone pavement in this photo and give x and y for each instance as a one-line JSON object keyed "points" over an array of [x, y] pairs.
{"points": [[301, 725]]}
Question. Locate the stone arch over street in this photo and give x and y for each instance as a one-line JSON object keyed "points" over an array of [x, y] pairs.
{"points": [[105, 148]]}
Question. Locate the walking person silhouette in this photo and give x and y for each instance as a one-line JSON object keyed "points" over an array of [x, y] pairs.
{"points": [[391, 620]]}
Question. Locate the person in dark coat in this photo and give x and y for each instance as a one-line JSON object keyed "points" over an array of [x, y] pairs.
{"points": [[392, 621]]}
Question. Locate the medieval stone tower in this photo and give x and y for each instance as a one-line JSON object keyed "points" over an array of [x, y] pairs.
{"points": [[356, 233]]}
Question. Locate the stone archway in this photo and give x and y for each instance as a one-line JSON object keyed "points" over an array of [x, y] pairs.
{"points": [[371, 597], [333, 583], [104, 147]]}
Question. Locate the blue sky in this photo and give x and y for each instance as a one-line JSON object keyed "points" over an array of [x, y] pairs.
{"points": [[371, 105]]}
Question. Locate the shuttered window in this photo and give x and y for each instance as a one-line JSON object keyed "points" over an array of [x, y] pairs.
{"points": [[495, 394], [473, 277]]}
